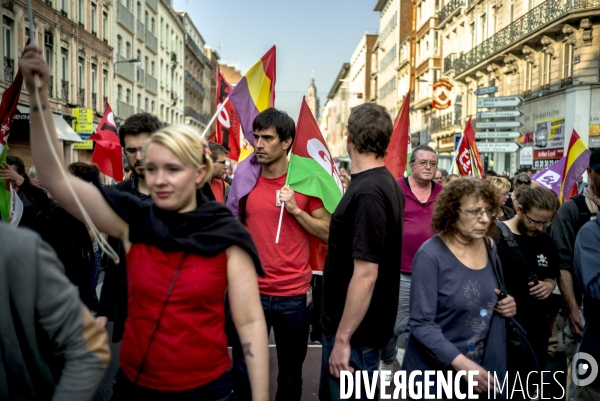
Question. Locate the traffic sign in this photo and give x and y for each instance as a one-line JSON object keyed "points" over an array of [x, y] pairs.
{"points": [[499, 114], [502, 101], [499, 124], [500, 147], [485, 91], [497, 135]]}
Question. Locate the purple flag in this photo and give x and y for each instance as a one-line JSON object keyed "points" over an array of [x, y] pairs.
{"points": [[551, 177], [246, 175]]}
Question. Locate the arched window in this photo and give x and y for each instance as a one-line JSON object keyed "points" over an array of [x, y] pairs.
{"points": [[139, 11], [128, 50], [128, 96], [119, 92], [119, 45]]}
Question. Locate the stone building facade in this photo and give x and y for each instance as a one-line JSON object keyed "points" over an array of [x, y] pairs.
{"points": [[73, 37], [198, 72], [544, 51]]}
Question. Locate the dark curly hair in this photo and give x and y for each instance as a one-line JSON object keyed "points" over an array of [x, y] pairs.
{"points": [[447, 204], [137, 124], [370, 129]]}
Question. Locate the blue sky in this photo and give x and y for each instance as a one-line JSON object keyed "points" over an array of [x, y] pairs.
{"points": [[310, 35]]}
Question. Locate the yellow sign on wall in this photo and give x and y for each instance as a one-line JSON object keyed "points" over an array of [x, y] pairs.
{"points": [[84, 120], [87, 143]]}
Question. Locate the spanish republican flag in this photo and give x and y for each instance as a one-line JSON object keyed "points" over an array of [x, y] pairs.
{"points": [[253, 94], [576, 162], [399, 149]]}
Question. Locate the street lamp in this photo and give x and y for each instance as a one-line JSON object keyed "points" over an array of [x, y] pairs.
{"points": [[133, 60]]}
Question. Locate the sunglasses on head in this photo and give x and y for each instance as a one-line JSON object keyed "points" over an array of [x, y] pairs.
{"points": [[526, 182]]}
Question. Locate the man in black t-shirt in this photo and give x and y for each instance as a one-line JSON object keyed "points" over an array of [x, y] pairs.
{"points": [[530, 263], [362, 269]]}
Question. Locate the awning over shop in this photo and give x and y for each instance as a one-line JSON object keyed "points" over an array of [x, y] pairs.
{"points": [[63, 129]]}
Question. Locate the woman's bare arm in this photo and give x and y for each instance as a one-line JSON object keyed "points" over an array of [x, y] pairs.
{"points": [[49, 170], [249, 319]]}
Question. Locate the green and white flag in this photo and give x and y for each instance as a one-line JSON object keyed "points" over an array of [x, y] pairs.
{"points": [[311, 170]]}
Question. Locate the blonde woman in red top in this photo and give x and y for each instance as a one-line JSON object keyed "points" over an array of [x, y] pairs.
{"points": [[183, 252]]}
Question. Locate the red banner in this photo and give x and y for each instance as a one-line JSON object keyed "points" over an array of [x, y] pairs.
{"points": [[228, 122], [468, 160]]}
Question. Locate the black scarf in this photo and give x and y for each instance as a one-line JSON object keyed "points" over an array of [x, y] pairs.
{"points": [[206, 231]]}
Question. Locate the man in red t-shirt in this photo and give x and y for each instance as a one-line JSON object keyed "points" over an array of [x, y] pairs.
{"points": [[285, 290]]}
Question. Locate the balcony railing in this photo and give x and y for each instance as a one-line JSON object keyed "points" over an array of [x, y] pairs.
{"points": [[9, 69], [449, 10], [124, 110], [51, 86], [141, 31], [566, 82], [153, 4], [540, 16], [445, 121], [125, 17], [151, 41], [141, 77], [190, 80], [94, 101], [64, 90], [151, 84], [448, 61], [125, 69], [81, 98], [190, 112]]}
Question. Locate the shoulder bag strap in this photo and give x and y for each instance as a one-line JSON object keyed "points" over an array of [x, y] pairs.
{"points": [[497, 268], [162, 310]]}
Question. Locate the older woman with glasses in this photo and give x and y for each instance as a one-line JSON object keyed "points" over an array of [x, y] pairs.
{"points": [[454, 294], [503, 187]]}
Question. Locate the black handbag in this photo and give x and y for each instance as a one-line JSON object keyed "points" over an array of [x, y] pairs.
{"points": [[520, 354]]}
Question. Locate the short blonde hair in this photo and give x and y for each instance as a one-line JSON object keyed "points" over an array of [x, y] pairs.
{"points": [[187, 144], [500, 184]]}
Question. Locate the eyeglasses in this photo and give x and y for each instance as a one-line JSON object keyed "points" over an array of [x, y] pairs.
{"points": [[425, 163], [539, 223], [133, 151], [479, 213]]}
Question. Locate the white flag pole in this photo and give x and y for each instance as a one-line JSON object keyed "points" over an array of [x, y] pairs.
{"points": [[279, 225], [214, 117], [456, 152]]}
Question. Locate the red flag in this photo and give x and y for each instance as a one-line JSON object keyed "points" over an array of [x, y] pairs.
{"points": [[108, 154], [11, 207], [468, 160], [228, 122], [399, 146], [213, 137]]}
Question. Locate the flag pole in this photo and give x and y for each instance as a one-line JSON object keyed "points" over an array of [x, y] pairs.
{"points": [[456, 153], [214, 117], [287, 178]]}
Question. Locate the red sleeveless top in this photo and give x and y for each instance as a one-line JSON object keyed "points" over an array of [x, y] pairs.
{"points": [[189, 348]]}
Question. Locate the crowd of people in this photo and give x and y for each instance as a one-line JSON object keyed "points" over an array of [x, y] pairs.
{"points": [[456, 265]]}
